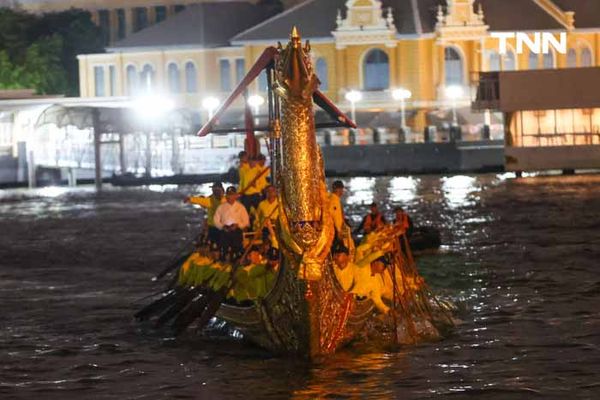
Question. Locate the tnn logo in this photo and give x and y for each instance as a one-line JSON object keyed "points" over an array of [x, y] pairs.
{"points": [[540, 44]]}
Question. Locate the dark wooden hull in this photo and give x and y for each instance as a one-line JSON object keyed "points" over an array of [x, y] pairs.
{"points": [[307, 319]]}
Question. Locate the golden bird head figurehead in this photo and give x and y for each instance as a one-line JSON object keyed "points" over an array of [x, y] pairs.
{"points": [[294, 72]]}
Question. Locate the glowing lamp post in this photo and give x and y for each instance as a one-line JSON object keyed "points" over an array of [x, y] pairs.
{"points": [[210, 104], [255, 101], [353, 96], [454, 93], [152, 107], [149, 109], [402, 95]]}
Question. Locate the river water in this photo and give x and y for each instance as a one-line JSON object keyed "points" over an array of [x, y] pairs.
{"points": [[521, 258]]}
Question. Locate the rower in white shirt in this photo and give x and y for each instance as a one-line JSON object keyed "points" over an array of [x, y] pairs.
{"points": [[231, 218]]}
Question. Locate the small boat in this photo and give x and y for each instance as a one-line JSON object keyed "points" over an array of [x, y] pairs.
{"points": [[425, 239]]}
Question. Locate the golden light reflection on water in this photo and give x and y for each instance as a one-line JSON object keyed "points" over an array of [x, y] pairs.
{"points": [[352, 375]]}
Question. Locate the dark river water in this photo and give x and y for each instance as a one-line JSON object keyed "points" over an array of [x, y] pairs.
{"points": [[521, 259]]}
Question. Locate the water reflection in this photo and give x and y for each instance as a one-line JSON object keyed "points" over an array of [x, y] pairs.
{"points": [[403, 189], [51, 191], [352, 375], [360, 191], [457, 190]]}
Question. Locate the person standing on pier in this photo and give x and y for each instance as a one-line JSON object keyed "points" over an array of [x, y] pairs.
{"points": [[210, 203]]}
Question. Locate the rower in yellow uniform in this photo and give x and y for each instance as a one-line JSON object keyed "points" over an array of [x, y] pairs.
{"points": [[250, 193], [267, 215], [343, 233], [262, 181], [210, 203]]}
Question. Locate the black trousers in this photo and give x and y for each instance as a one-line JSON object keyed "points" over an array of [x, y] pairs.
{"points": [[213, 235], [232, 242], [251, 200]]}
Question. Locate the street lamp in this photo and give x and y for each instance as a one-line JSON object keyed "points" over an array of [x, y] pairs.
{"points": [[210, 104], [353, 97], [402, 95], [152, 107], [255, 101], [454, 92]]}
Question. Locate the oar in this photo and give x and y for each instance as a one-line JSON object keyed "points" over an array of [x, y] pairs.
{"points": [[179, 259], [207, 307]]}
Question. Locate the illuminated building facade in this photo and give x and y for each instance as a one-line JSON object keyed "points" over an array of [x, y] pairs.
{"points": [[552, 117], [367, 45]]}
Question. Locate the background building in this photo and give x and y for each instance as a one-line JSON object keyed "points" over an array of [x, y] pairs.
{"points": [[372, 46]]}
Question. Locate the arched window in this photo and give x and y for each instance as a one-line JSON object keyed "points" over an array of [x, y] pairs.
{"points": [[191, 85], [586, 57], [132, 80], [533, 60], [99, 81], [174, 79], [494, 60], [510, 61], [548, 60], [147, 78], [322, 73], [225, 72], [376, 70], [571, 58], [240, 70], [263, 82], [453, 67]]}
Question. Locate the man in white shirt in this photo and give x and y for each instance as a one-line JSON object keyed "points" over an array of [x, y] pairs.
{"points": [[231, 218]]}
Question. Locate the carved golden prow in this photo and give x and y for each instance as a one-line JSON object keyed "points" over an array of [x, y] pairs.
{"points": [[306, 224]]}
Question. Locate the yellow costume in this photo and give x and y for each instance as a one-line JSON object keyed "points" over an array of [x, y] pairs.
{"points": [[247, 175], [211, 203], [267, 209], [345, 276], [262, 182], [337, 213]]}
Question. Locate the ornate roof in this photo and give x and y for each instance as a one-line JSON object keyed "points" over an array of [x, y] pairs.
{"points": [[316, 19]]}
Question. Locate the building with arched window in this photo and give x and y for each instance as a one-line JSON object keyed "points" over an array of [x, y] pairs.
{"points": [[174, 78], [373, 46], [322, 73], [376, 70], [191, 77]]}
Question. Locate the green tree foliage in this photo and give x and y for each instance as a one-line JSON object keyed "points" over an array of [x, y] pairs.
{"points": [[40, 52]]}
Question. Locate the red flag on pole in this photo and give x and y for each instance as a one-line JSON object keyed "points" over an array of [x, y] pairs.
{"points": [[250, 143]]}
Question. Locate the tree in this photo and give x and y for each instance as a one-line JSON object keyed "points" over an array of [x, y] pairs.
{"points": [[40, 52]]}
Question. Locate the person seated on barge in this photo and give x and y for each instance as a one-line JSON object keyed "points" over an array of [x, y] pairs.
{"points": [[372, 221], [231, 218]]}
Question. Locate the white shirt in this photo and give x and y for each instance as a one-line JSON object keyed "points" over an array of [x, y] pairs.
{"points": [[229, 214]]}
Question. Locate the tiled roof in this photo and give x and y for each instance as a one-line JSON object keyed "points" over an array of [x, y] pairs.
{"points": [[205, 24], [517, 15], [316, 18]]}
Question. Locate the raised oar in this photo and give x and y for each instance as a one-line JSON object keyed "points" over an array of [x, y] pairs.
{"points": [[179, 259], [156, 306]]}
